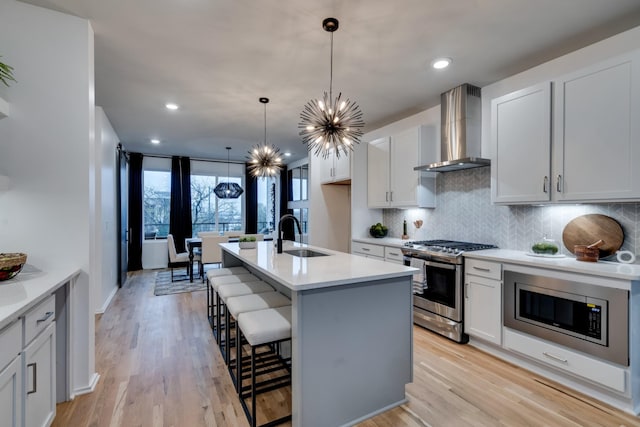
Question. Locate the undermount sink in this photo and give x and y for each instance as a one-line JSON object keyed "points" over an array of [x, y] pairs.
{"points": [[304, 253]]}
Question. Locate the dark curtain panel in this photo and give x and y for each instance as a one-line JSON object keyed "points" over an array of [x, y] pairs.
{"points": [[135, 212], [180, 214], [285, 194], [251, 194], [185, 166]]}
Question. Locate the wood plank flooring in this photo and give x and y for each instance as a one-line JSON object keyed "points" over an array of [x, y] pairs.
{"points": [[159, 366]]}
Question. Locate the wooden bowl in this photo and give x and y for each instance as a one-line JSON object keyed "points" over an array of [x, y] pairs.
{"points": [[586, 253], [11, 264]]}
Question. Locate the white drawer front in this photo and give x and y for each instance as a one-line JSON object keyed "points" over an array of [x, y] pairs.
{"points": [[567, 360], [368, 249], [38, 318], [393, 254], [10, 343], [490, 270]]}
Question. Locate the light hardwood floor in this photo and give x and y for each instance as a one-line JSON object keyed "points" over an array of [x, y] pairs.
{"points": [[159, 366]]}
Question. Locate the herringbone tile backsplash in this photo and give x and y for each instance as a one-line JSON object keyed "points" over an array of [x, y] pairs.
{"points": [[464, 212]]}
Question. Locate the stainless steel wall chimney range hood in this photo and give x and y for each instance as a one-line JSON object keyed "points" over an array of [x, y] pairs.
{"points": [[461, 113]]}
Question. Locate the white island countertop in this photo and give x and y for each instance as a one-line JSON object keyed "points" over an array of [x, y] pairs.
{"points": [[607, 269], [298, 273], [27, 289]]}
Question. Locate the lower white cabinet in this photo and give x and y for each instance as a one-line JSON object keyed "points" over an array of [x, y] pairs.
{"points": [[393, 254], [483, 300], [40, 379], [368, 250], [11, 394]]}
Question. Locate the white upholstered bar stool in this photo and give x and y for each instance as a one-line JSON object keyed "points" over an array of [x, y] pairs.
{"points": [[218, 272], [243, 304], [214, 284], [268, 327], [226, 291]]}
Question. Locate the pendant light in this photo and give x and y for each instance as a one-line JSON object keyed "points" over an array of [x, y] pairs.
{"points": [[228, 190], [331, 125], [264, 160]]}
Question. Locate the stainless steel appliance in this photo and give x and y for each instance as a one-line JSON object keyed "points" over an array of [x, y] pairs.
{"points": [[460, 124], [593, 319], [438, 286]]}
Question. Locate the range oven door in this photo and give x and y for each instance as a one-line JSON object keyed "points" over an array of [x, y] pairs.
{"points": [[442, 290]]}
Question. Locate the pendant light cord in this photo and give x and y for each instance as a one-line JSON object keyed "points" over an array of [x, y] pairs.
{"points": [[265, 123], [331, 72]]}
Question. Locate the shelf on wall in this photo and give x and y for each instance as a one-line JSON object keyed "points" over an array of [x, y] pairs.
{"points": [[4, 108]]}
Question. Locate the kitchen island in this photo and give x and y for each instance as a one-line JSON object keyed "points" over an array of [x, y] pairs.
{"points": [[351, 330]]}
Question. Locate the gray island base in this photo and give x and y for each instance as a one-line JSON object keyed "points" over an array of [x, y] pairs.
{"points": [[351, 330]]}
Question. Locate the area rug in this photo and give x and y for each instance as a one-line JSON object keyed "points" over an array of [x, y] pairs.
{"points": [[181, 283]]}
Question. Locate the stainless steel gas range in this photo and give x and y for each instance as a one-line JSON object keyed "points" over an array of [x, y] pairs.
{"points": [[438, 286]]}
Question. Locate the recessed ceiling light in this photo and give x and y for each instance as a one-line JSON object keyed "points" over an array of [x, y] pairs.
{"points": [[441, 63], [155, 141], [286, 153], [171, 106]]}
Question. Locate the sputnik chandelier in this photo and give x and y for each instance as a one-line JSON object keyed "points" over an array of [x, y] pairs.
{"points": [[264, 160], [331, 125]]}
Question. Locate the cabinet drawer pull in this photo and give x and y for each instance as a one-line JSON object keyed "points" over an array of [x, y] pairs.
{"points": [[44, 318], [366, 249], [554, 357], [559, 184], [545, 185], [481, 268], [34, 377], [394, 254]]}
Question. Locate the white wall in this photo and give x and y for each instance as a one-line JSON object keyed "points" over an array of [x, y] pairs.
{"points": [[329, 211], [107, 234], [45, 149]]}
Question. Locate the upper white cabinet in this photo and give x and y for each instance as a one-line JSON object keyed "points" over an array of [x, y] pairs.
{"points": [[521, 138], [591, 149], [392, 182], [334, 169]]}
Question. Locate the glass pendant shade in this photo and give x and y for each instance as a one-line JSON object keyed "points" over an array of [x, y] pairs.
{"points": [[331, 125], [264, 159], [228, 190]]}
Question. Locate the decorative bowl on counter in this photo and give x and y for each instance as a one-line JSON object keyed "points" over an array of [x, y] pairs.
{"points": [[11, 264], [378, 230], [248, 242], [545, 246]]}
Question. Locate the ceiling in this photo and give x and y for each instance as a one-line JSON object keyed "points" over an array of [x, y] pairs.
{"points": [[215, 59]]}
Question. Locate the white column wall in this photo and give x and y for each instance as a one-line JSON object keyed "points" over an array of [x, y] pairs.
{"points": [[107, 233], [45, 149]]}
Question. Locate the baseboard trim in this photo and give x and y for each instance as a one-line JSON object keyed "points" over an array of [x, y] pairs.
{"points": [[108, 301], [88, 389]]}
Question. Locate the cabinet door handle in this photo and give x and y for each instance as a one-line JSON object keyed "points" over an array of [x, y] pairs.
{"points": [[466, 291], [545, 185], [559, 184], [481, 268], [554, 357], [34, 378], [391, 196], [44, 318], [386, 196]]}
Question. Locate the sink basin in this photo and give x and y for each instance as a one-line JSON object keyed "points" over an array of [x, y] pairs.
{"points": [[304, 253]]}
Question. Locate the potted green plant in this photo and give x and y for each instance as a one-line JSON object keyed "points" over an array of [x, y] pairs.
{"points": [[247, 242], [6, 73]]}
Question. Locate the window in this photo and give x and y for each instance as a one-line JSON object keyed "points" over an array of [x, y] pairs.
{"points": [[207, 211], [156, 203], [298, 203], [266, 205]]}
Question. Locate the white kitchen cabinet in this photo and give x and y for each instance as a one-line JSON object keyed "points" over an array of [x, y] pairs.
{"points": [[521, 138], [368, 250], [11, 375], [391, 180], [483, 300], [334, 169], [588, 152], [393, 254], [40, 379]]}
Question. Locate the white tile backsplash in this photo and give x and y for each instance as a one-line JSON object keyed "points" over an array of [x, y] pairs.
{"points": [[464, 212]]}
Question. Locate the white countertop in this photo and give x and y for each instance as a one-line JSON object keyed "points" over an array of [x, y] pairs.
{"points": [[568, 264], [27, 289], [383, 241], [300, 274]]}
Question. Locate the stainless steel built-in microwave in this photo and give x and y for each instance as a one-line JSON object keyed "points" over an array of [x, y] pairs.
{"points": [[593, 319]]}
